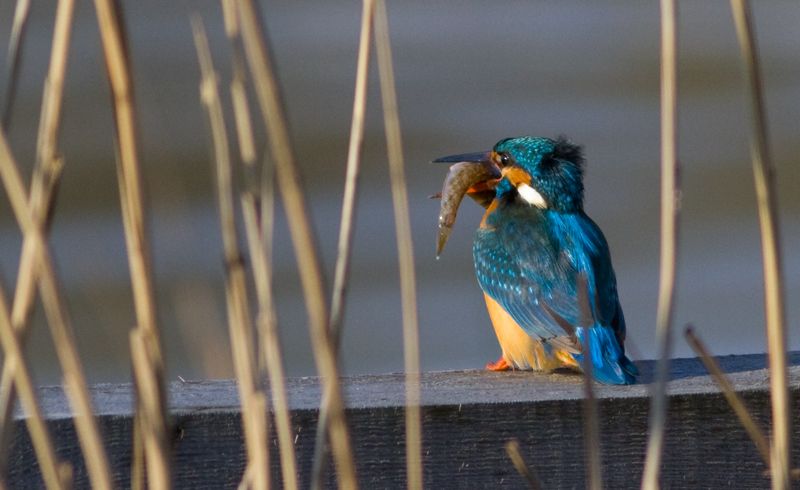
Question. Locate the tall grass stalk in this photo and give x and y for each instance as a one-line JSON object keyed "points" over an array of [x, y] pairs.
{"points": [[346, 223], [129, 176], [133, 220], [268, 327], [515, 455], [405, 247], [45, 179], [764, 175], [239, 321], [32, 221], [308, 262], [41, 198], [156, 450], [670, 189], [16, 364], [238, 89], [21, 13], [137, 472], [260, 246], [591, 422], [60, 326], [753, 430]]}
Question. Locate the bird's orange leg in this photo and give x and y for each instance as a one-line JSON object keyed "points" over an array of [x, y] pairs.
{"points": [[499, 365]]}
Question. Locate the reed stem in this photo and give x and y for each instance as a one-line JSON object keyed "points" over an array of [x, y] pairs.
{"points": [[239, 321], [764, 176], [670, 191], [44, 182], [133, 218], [753, 430], [514, 453], [405, 247], [346, 226], [156, 453], [260, 246], [38, 263], [591, 424], [259, 61], [18, 28], [40, 437], [268, 327]]}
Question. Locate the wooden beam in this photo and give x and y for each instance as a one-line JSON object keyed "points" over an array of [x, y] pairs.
{"points": [[468, 416]]}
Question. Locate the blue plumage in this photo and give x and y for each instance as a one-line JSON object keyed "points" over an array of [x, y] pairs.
{"points": [[545, 262]]}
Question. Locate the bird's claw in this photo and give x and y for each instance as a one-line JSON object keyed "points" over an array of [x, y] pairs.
{"points": [[499, 365]]}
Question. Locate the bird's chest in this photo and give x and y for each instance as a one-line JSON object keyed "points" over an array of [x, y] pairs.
{"points": [[520, 229], [517, 243]]}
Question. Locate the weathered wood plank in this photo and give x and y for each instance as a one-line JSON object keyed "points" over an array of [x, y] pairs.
{"points": [[467, 415]]}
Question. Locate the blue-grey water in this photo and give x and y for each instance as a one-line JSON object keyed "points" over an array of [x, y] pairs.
{"points": [[468, 74]]}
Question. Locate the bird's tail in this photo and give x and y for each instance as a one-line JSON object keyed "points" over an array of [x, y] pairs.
{"points": [[610, 365]]}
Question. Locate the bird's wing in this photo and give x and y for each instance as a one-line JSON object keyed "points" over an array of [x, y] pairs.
{"points": [[547, 277]]}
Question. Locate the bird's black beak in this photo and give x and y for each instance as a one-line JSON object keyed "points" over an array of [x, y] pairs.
{"points": [[477, 157]]}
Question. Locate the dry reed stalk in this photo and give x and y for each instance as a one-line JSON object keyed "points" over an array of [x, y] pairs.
{"points": [[267, 222], [346, 226], [14, 51], [47, 138], [753, 430], [260, 245], [670, 188], [239, 321], [60, 326], [156, 452], [514, 453], [591, 423], [350, 198], [31, 219], [268, 328], [42, 195], [74, 381], [308, 263], [405, 247], [764, 176], [137, 456], [47, 166], [247, 479], [46, 177], [241, 113], [120, 81], [133, 219], [241, 109], [259, 474], [40, 437]]}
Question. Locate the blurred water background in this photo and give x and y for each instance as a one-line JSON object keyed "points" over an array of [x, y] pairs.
{"points": [[468, 74]]}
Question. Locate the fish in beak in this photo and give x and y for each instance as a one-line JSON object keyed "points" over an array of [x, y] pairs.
{"points": [[472, 174]]}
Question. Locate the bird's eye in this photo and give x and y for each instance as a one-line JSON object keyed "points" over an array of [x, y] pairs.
{"points": [[505, 159]]}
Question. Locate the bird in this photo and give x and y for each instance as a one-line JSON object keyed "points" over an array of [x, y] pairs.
{"points": [[543, 265]]}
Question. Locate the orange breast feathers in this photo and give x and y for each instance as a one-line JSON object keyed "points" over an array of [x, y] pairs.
{"points": [[520, 350]]}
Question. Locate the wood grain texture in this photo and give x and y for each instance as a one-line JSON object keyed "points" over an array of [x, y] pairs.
{"points": [[467, 417]]}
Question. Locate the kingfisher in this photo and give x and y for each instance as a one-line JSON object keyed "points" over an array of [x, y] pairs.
{"points": [[544, 266]]}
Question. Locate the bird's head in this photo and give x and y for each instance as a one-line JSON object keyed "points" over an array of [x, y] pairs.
{"points": [[543, 172]]}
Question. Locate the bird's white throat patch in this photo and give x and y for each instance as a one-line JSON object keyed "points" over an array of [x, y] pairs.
{"points": [[531, 196]]}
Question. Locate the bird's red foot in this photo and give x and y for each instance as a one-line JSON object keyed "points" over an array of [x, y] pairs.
{"points": [[500, 365]]}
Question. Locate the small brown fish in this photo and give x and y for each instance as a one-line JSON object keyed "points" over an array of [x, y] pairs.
{"points": [[471, 178]]}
